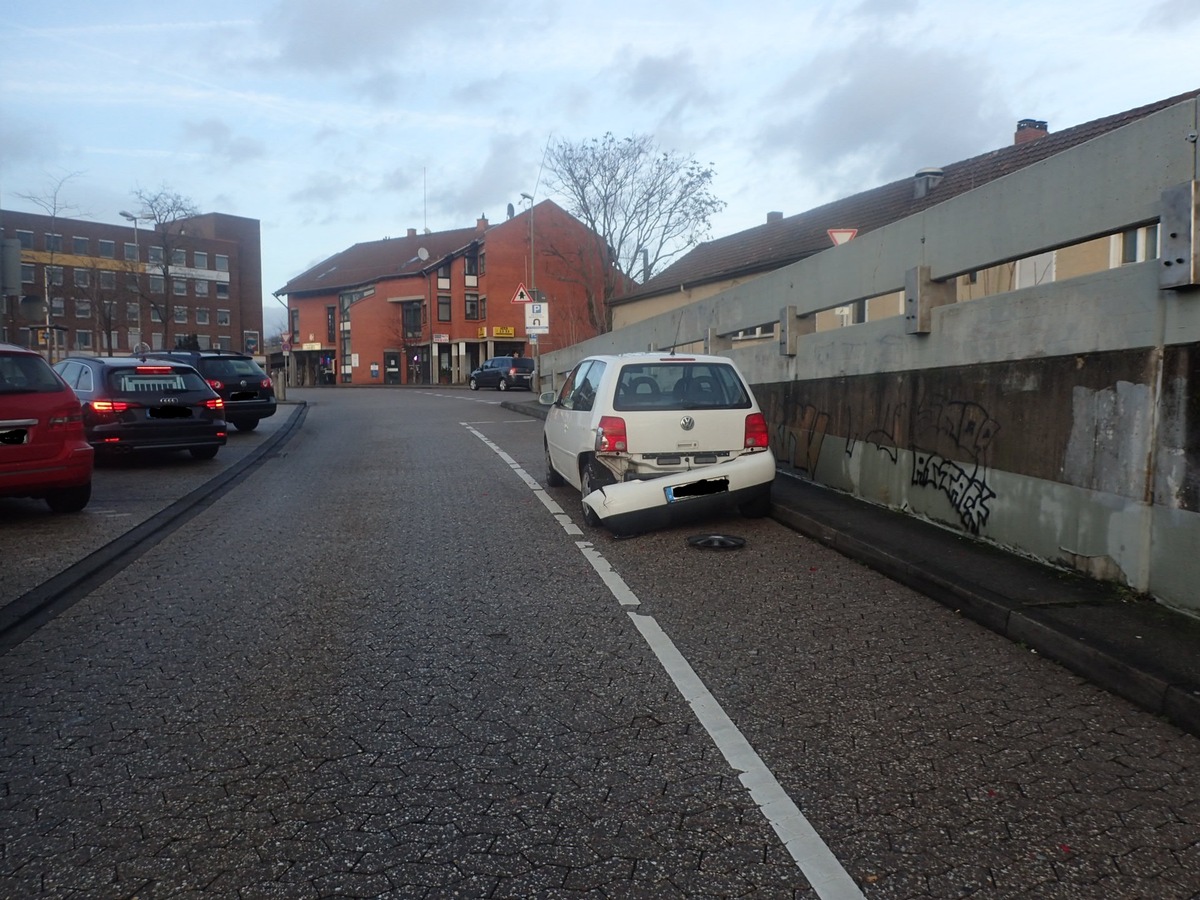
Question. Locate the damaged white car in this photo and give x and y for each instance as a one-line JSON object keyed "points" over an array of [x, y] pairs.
{"points": [[649, 438]]}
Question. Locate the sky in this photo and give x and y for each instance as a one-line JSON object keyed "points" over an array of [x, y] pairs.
{"points": [[339, 122]]}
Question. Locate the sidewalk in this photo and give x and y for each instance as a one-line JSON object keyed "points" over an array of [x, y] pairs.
{"points": [[1134, 648]]}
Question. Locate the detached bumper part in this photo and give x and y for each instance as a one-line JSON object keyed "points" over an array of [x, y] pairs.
{"points": [[634, 506]]}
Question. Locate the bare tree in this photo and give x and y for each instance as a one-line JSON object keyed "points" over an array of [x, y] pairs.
{"points": [[646, 206], [51, 203], [167, 212]]}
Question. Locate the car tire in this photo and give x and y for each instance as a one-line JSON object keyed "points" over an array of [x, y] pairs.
{"points": [[502, 385], [203, 452], [757, 507], [246, 425], [69, 500], [553, 479], [591, 477], [473, 384]]}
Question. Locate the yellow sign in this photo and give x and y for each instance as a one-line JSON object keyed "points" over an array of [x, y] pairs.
{"points": [[504, 331], [482, 332]]}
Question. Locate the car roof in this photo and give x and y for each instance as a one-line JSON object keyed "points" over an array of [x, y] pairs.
{"points": [[17, 348], [662, 356], [120, 362]]}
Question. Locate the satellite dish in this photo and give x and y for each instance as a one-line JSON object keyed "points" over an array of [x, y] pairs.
{"points": [[422, 254], [511, 211]]}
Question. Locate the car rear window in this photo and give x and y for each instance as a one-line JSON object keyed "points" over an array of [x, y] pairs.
{"points": [[147, 379], [24, 373], [682, 385], [523, 363], [230, 368]]}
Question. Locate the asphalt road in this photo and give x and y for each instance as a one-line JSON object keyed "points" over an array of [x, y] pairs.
{"points": [[382, 660]]}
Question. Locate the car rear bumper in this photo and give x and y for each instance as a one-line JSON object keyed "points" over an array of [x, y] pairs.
{"points": [[71, 468], [249, 410], [634, 506]]}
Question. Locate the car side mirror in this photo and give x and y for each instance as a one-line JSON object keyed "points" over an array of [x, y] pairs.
{"points": [[546, 398]]}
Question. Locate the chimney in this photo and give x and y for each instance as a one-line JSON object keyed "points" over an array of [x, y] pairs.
{"points": [[481, 224], [1030, 130], [774, 216], [412, 232], [925, 181]]}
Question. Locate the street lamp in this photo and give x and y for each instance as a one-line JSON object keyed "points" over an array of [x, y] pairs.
{"points": [[137, 264]]}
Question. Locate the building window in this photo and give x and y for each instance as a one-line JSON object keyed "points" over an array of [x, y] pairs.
{"points": [[200, 259], [83, 309], [179, 287], [27, 273], [158, 284], [54, 275], [1036, 270], [222, 262], [83, 340], [108, 249], [331, 324], [222, 290], [82, 278], [58, 306], [471, 306], [222, 317], [178, 257], [482, 263], [131, 252], [108, 279], [53, 242], [202, 315], [443, 308], [133, 315], [204, 341], [81, 246], [156, 255], [135, 338], [26, 239], [131, 283], [181, 316], [1136, 245], [155, 315], [483, 307], [471, 264], [200, 286]]}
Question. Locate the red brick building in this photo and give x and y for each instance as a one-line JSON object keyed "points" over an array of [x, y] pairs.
{"points": [[427, 308]]}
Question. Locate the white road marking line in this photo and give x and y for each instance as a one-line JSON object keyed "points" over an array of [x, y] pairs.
{"points": [[811, 854]]}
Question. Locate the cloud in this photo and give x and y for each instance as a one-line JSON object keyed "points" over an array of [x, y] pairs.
{"points": [[1170, 15], [221, 144], [505, 170]]}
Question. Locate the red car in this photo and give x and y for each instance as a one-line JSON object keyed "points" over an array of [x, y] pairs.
{"points": [[43, 450]]}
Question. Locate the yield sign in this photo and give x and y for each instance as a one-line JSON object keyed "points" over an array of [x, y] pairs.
{"points": [[522, 295], [841, 235]]}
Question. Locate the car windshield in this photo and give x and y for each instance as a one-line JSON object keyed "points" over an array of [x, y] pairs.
{"points": [[680, 385], [148, 379], [24, 373]]}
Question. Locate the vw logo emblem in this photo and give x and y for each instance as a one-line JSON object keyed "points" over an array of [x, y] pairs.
{"points": [[687, 423]]}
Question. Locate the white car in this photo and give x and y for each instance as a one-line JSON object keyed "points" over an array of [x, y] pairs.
{"points": [[649, 438]]}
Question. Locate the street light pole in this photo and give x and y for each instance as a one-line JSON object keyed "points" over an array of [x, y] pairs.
{"points": [[537, 376], [137, 263]]}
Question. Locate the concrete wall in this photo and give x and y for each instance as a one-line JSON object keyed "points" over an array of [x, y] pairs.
{"points": [[1061, 421]]}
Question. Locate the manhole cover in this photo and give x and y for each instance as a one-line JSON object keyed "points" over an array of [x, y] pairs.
{"points": [[716, 542]]}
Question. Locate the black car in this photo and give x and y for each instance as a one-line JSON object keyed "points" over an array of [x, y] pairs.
{"points": [[246, 389], [503, 372], [134, 404]]}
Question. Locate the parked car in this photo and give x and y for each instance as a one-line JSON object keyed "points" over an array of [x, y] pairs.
{"points": [[132, 404], [650, 438], [246, 389], [502, 373], [43, 451]]}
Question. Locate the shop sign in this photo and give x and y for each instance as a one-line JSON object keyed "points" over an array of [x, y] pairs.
{"points": [[504, 331]]}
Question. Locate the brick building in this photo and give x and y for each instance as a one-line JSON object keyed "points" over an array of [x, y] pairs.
{"points": [[430, 307], [196, 282]]}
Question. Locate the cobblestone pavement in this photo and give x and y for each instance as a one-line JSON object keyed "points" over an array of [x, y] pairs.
{"points": [[382, 667]]}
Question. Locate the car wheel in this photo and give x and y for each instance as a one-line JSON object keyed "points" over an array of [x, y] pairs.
{"points": [[758, 507], [248, 425], [474, 384], [203, 452], [69, 500], [592, 477], [553, 479], [502, 385]]}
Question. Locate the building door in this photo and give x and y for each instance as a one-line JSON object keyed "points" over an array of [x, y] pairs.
{"points": [[391, 366]]}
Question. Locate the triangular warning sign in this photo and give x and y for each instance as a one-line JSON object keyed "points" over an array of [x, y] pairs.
{"points": [[522, 295], [841, 235]]}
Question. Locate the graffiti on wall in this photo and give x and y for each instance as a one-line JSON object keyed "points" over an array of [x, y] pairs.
{"points": [[950, 446]]}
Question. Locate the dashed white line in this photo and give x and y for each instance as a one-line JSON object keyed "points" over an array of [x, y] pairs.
{"points": [[811, 854]]}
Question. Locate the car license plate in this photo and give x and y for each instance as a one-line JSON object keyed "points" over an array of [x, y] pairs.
{"points": [[696, 489], [14, 436], [169, 412]]}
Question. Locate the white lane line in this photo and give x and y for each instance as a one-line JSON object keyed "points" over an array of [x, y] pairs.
{"points": [[812, 855]]}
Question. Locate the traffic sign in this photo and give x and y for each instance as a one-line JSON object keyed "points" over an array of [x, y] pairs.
{"points": [[522, 295], [840, 236]]}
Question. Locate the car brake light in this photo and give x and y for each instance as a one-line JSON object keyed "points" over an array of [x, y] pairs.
{"points": [[266, 382], [67, 420], [154, 370], [214, 403], [214, 384], [757, 437], [610, 435], [111, 406]]}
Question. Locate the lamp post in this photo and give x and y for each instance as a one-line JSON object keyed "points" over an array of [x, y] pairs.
{"points": [[537, 376], [137, 263]]}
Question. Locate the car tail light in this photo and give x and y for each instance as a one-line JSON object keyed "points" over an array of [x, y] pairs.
{"points": [[215, 385], [111, 406], [265, 383], [757, 437], [154, 370], [610, 435], [214, 403], [71, 420]]}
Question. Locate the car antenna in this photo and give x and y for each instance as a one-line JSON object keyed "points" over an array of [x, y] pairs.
{"points": [[678, 325]]}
